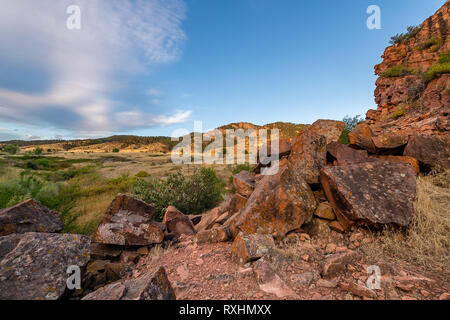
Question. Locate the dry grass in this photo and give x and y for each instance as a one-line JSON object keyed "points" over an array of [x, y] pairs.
{"points": [[426, 242], [156, 252]]}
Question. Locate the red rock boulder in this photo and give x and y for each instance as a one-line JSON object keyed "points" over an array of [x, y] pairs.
{"points": [[372, 193], [280, 203], [178, 223], [29, 216], [128, 222]]}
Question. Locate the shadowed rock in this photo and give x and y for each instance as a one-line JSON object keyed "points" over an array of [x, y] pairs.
{"points": [[29, 216], [33, 265], [150, 286], [345, 155], [372, 193], [128, 221], [178, 223], [431, 151]]}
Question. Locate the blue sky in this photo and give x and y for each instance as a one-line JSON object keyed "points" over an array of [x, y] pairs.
{"points": [[148, 67]]}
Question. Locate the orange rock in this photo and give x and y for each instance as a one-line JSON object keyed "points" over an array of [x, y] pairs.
{"points": [[218, 234], [280, 203], [244, 183], [309, 155], [325, 211], [330, 129], [401, 159], [247, 248]]}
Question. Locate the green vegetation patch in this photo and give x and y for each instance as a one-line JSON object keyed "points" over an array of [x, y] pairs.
{"points": [[191, 195], [398, 71], [441, 67], [411, 32]]}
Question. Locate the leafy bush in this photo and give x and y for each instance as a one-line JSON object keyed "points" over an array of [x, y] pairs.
{"points": [[441, 67], [56, 196], [191, 195], [437, 43], [350, 124], [115, 150], [38, 151], [398, 71], [11, 148], [142, 174], [412, 31]]}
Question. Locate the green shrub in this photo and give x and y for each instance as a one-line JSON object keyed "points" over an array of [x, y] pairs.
{"points": [[191, 195], [398, 71], [398, 113], [115, 150], [350, 124], [343, 139], [436, 71], [412, 31], [441, 67], [437, 43], [11, 148], [38, 151], [142, 174]]}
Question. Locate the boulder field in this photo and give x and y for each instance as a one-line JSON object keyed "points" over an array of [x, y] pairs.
{"points": [[291, 231]]}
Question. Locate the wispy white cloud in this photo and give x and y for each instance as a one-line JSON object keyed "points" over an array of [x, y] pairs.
{"points": [[83, 67]]}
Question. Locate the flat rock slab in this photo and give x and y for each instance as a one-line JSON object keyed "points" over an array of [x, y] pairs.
{"points": [[128, 221], [374, 193], [150, 286], [29, 216], [33, 265]]}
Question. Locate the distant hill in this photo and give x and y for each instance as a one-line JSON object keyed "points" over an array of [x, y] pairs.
{"points": [[129, 143]]}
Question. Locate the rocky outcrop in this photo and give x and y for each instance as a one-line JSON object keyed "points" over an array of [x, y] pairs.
{"points": [[151, 286], [410, 102], [178, 223], [309, 155], [372, 193], [247, 248], [29, 216], [281, 202], [128, 221], [33, 266]]}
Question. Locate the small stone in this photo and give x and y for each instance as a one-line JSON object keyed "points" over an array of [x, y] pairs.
{"points": [[331, 248]]}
